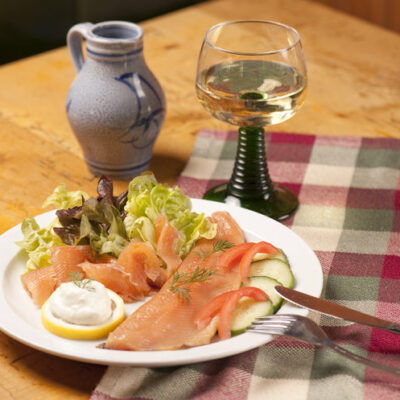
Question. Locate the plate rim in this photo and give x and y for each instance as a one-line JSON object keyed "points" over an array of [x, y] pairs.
{"points": [[17, 329]]}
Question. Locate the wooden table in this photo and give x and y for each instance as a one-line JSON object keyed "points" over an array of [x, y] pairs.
{"points": [[354, 89]]}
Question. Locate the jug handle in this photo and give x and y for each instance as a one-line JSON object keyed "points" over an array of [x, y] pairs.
{"points": [[74, 41]]}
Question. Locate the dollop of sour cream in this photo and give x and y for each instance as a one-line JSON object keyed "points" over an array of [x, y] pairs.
{"points": [[83, 303]]}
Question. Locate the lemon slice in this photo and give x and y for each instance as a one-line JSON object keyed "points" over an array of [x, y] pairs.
{"points": [[84, 332]]}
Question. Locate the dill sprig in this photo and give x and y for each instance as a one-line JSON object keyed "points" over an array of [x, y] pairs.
{"points": [[78, 279], [180, 281], [218, 245], [221, 245]]}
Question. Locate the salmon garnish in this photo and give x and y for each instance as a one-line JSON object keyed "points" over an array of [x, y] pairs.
{"points": [[66, 259], [228, 228], [167, 320], [41, 283], [113, 277], [167, 238], [141, 262]]}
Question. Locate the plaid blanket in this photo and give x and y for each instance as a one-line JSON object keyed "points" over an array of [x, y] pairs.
{"points": [[349, 191]]}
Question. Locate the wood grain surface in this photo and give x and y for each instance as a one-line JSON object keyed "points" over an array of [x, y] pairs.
{"points": [[354, 90], [385, 13]]}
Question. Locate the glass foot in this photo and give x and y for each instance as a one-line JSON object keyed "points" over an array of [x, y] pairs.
{"points": [[281, 204]]}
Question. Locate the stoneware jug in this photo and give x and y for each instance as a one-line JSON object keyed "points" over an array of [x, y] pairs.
{"points": [[115, 105]]}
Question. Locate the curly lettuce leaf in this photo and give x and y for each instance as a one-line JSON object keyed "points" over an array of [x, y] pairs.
{"points": [[37, 242], [142, 183], [176, 203], [62, 199], [109, 237], [80, 220], [107, 223], [147, 199], [192, 227], [140, 228], [97, 223], [101, 240]]}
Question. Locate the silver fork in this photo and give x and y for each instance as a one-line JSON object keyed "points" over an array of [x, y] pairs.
{"points": [[306, 330]]}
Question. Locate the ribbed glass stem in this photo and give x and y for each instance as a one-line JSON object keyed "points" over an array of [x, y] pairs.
{"points": [[250, 177]]}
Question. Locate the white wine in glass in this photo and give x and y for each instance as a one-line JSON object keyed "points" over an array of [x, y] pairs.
{"points": [[252, 74]]}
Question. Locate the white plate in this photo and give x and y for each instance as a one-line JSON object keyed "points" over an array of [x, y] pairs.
{"points": [[20, 318]]}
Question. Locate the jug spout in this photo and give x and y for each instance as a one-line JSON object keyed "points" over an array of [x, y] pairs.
{"points": [[105, 39]]}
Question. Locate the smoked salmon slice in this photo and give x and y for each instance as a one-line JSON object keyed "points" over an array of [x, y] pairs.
{"points": [[66, 259], [166, 321], [40, 283], [135, 273], [140, 261], [113, 277], [167, 238], [228, 228]]}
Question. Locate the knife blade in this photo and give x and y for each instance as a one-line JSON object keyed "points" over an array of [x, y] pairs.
{"points": [[335, 310]]}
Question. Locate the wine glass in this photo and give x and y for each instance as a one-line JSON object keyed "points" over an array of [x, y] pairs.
{"points": [[252, 74]]}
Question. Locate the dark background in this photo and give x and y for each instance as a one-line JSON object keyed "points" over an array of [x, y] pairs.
{"points": [[29, 27]]}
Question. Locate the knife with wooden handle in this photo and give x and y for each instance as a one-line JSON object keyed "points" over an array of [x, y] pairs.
{"points": [[335, 310]]}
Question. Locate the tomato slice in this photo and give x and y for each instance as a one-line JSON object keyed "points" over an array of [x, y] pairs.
{"points": [[211, 309], [225, 314], [233, 254], [224, 304], [245, 262]]}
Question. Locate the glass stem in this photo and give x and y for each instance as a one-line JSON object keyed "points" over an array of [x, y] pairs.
{"points": [[250, 177]]}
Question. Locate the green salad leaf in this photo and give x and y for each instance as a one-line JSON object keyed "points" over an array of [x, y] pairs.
{"points": [[62, 199], [107, 223], [192, 227], [38, 242], [80, 220], [98, 222], [147, 199], [140, 228]]}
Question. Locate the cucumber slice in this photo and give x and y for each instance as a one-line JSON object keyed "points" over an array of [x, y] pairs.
{"points": [[246, 311], [274, 268], [263, 256], [267, 284]]}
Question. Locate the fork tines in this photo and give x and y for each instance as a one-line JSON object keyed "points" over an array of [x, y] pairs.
{"points": [[276, 324], [287, 317]]}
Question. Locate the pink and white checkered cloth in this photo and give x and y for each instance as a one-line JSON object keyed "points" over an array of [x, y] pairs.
{"points": [[349, 192]]}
